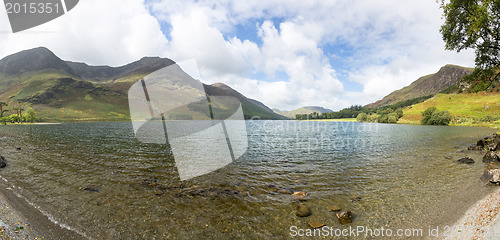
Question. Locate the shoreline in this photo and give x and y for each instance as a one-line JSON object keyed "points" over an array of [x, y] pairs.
{"points": [[480, 221], [21, 220]]}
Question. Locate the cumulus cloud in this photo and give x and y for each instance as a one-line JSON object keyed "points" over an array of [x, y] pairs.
{"points": [[111, 32], [300, 53]]}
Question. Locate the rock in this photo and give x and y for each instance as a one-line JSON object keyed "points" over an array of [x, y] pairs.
{"points": [[491, 156], [356, 198], [333, 208], [158, 192], [3, 162], [300, 196], [491, 175], [466, 160], [303, 211], [286, 191], [475, 148], [315, 224], [90, 188], [344, 217], [272, 188]]}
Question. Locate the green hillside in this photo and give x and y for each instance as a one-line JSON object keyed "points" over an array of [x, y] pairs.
{"points": [[467, 109]]}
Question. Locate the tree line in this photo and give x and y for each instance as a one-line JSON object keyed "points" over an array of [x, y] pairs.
{"points": [[19, 114], [355, 110]]}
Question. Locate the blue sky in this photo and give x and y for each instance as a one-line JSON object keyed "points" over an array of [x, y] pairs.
{"points": [[286, 54]]}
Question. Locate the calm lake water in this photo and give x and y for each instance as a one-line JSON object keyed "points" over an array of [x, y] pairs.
{"points": [[406, 176]]}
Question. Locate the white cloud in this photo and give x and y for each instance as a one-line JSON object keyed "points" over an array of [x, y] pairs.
{"points": [[381, 45], [111, 32]]}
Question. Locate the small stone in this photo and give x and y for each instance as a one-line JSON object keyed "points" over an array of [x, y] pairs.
{"points": [[272, 188], [158, 192], [300, 196], [344, 217], [356, 198], [286, 191], [91, 188], [315, 224], [466, 160], [333, 208], [303, 211]]}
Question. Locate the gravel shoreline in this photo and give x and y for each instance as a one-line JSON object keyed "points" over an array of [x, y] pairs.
{"points": [[481, 221], [20, 220]]}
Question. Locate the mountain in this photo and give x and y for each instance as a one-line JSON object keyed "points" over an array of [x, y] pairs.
{"points": [[32, 60], [105, 73], [61, 90], [302, 110], [427, 85]]}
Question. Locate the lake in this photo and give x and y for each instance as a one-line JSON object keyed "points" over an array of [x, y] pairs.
{"points": [[98, 179]]}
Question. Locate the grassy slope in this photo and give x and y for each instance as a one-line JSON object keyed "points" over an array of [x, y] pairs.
{"points": [[467, 109]]}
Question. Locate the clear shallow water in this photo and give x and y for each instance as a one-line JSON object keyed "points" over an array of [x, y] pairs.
{"points": [[406, 176]]}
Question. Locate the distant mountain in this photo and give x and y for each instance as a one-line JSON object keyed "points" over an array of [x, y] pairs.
{"points": [[68, 91], [427, 85], [302, 110]]}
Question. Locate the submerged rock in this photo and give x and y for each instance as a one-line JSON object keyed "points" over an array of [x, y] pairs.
{"points": [[356, 198], [303, 211], [3, 162], [466, 160], [344, 217], [315, 224], [333, 208], [491, 175], [301, 196], [90, 188], [285, 191]]}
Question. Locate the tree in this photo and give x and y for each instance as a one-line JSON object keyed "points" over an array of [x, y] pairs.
{"points": [[432, 116], [3, 104], [30, 115], [473, 24], [362, 117]]}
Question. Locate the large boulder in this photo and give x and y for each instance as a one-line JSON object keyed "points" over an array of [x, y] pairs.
{"points": [[491, 157], [491, 175]]}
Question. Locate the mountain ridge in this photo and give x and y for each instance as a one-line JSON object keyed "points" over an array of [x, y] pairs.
{"points": [[61, 90], [431, 84]]}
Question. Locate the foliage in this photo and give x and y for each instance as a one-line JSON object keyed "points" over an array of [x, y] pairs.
{"points": [[432, 116], [350, 112], [382, 116], [473, 24], [14, 118], [362, 117]]}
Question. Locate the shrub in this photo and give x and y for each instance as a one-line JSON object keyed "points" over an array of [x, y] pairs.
{"points": [[432, 116], [362, 117], [383, 119], [392, 118]]}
